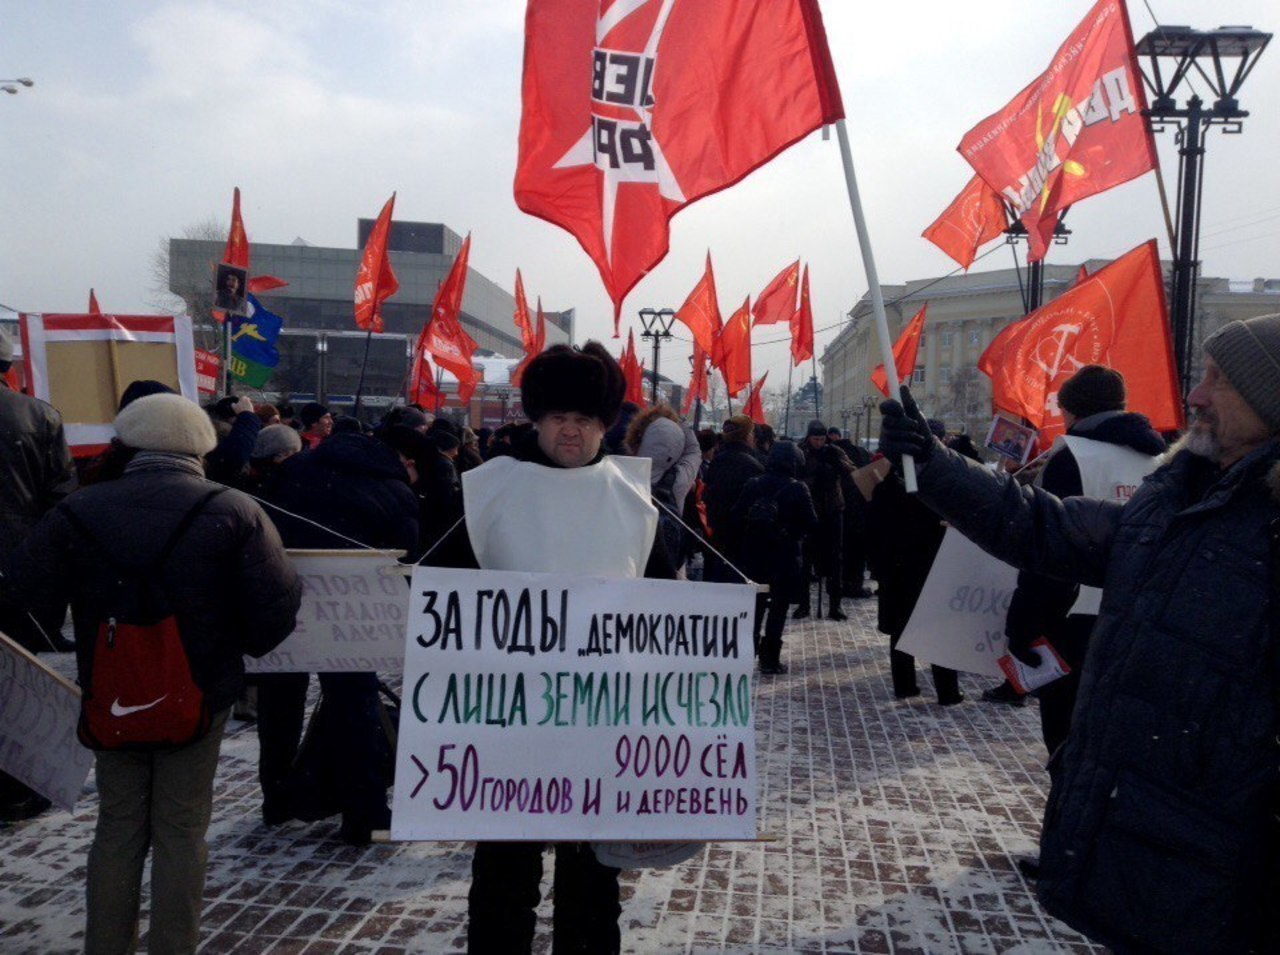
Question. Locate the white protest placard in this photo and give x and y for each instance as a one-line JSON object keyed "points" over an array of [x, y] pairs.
{"points": [[39, 711], [958, 622], [554, 707], [352, 618]]}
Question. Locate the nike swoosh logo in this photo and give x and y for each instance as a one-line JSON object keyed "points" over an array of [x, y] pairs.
{"points": [[118, 710]]}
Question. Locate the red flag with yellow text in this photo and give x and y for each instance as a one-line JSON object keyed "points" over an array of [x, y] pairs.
{"points": [[733, 350], [443, 337], [754, 408], [802, 325], [1116, 317], [905, 351], [636, 108], [701, 311], [375, 281], [974, 218], [777, 303], [1074, 131]]}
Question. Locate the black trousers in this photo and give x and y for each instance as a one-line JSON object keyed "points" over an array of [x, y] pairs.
{"points": [[902, 666], [1058, 699], [505, 891], [824, 556], [771, 611]]}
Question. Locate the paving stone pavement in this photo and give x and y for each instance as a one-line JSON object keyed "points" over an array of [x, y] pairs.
{"points": [[890, 826]]}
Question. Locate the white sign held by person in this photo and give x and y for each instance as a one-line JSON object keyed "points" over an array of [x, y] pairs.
{"points": [[39, 711], [958, 622], [352, 618], [553, 707]]}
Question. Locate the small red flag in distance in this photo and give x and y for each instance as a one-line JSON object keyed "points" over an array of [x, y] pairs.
{"points": [[777, 303], [974, 218], [632, 371], [754, 408], [375, 281], [621, 102], [1074, 131], [93, 304], [443, 337], [905, 351], [802, 325], [1118, 318], [733, 352], [701, 311]]}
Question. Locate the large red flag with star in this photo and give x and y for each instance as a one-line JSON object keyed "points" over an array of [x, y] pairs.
{"points": [[905, 351], [802, 325], [443, 337], [1116, 317], [777, 303], [635, 108], [1076, 130], [973, 219], [375, 281], [701, 312]]}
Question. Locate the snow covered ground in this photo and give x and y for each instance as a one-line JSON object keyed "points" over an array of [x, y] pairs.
{"points": [[887, 827]]}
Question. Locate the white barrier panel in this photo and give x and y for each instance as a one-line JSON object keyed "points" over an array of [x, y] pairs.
{"points": [[958, 621], [352, 618], [38, 715], [551, 707]]}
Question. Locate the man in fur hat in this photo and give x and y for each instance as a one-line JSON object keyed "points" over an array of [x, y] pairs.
{"points": [[558, 504], [1160, 834]]}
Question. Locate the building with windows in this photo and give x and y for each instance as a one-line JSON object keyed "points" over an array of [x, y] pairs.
{"points": [[965, 313], [321, 349]]}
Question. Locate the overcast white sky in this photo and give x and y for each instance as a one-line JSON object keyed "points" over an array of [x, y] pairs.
{"points": [[145, 115]]}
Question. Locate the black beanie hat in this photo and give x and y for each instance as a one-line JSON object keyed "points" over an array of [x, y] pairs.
{"points": [[1092, 390], [587, 380], [140, 389]]}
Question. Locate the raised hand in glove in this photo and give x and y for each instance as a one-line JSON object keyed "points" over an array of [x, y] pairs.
{"points": [[904, 430]]}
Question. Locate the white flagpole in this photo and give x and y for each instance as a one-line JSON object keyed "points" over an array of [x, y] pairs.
{"points": [[873, 281]]}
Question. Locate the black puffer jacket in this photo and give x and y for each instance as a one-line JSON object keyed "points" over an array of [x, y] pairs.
{"points": [[772, 552], [228, 578], [732, 467], [1159, 835], [35, 465], [352, 484]]}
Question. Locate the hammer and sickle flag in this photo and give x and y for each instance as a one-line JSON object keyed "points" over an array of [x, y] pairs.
{"points": [[632, 109]]}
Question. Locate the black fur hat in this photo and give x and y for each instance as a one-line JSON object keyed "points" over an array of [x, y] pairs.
{"points": [[587, 380]]}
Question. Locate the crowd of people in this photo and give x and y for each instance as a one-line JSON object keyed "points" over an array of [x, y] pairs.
{"points": [[1160, 833]]}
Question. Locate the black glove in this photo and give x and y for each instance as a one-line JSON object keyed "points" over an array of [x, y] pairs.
{"points": [[904, 430]]}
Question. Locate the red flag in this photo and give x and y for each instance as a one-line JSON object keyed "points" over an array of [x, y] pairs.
{"points": [[754, 408], [374, 279], [802, 325], [633, 110], [701, 311], [905, 350], [777, 303], [632, 371], [528, 334], [265, 283], [93, 304], [443, 337], [697, 390], [973, 219], [236, 252], [733, 350], [1081, 274], [1116, 318], [423, 390], [1074, 131]]}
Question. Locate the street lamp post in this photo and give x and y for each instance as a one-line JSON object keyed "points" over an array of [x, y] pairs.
{"points": [[504, 395], [657, 324], [868, 402]]}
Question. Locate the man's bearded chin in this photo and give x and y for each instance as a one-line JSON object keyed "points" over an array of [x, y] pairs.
{"points": [[1201, 440]]}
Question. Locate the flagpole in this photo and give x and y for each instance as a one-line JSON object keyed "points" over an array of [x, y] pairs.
{"points": [[817, 398], [786, 420], [873, 281], [368, 338], [226, 353]]}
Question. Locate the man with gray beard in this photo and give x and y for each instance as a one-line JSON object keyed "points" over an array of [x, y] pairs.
{"points": [[1161, 832]]}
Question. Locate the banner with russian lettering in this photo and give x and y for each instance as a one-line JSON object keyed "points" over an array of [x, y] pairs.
{"points": [[550, 707]]}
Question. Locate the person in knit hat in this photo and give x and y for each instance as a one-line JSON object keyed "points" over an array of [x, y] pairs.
{"points": [[558, 504], [216, 560], [1160, 830]]}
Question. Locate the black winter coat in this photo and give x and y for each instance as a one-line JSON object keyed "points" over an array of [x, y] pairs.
{"points": [[230, 583], [903, 539], [1160, 832], [35, 465], [352, 484], [772, 553], [732, 467]]}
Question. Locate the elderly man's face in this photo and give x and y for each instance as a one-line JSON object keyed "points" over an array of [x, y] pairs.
{"points": [[817, 441], [1223, 426], [569, 438]]}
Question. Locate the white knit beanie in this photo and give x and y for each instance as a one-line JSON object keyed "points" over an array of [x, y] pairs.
{"points": [[166, 423]]}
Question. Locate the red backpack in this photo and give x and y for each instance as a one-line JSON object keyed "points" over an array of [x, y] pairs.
{"points": [[141, 694]]}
